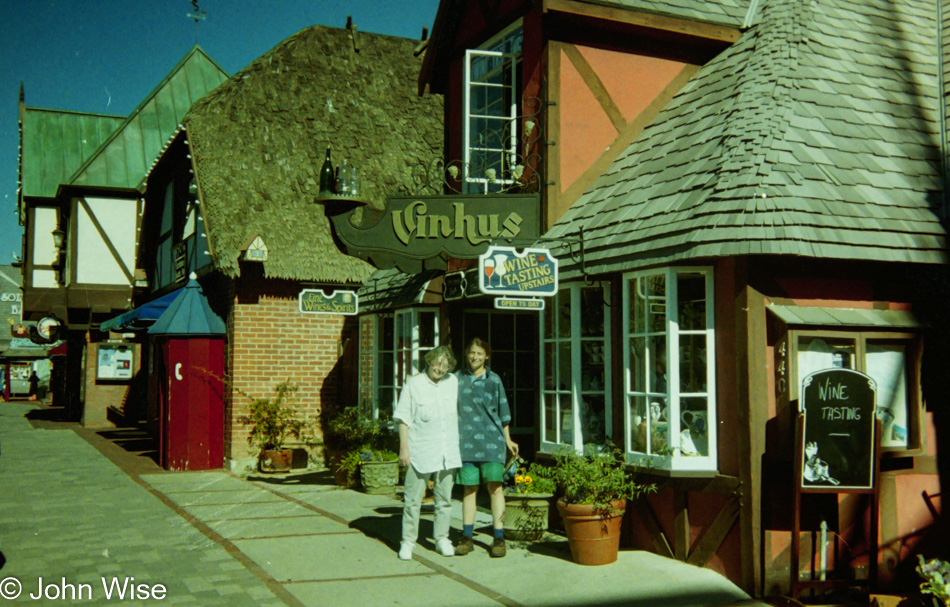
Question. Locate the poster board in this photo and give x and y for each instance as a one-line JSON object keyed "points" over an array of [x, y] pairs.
{"points": [[838, 441], [114, 362]]}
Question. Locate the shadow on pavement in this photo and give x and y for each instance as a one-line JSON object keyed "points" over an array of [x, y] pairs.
{"points": [[133, 440], [320, 477]]}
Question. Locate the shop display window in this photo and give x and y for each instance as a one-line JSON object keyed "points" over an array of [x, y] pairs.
{"points": [[401, 341], [890, 358], [669, 347], [575, 407]]}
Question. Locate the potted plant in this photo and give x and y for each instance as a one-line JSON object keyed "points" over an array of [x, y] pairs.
{"points": [[936, 575], [363, 447], [273, 421], [594, 491], [527, 502]]}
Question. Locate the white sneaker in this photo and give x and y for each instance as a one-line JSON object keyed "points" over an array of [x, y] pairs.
{"points": [[405, 551], [444, 547]]}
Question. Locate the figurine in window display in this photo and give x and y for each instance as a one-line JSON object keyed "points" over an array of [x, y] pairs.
{"points": [[484, 417]]}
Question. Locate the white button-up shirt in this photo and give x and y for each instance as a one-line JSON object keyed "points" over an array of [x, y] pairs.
{"points": [[430, 411]]}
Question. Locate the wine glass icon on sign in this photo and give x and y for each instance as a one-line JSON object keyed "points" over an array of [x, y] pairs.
{"points": [[500, 266], [489, 270]]}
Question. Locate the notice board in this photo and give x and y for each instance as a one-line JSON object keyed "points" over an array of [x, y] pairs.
{"points": [[838, 439]]}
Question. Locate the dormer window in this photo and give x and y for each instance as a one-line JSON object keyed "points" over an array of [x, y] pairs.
{"points": [[492, 92]]}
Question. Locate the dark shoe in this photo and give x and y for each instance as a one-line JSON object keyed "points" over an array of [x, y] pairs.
{"points": [[497, 549], [464, 546]]}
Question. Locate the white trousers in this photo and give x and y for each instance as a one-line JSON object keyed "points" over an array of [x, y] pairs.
{"points": [[413, 492]]}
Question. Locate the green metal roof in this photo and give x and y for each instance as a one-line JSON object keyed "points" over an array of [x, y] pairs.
{"points": [[56, 143], [806, 137], [126, 157]]}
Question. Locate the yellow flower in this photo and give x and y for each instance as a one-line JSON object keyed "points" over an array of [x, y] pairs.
{"points": [[519, 479], [527, 479]]}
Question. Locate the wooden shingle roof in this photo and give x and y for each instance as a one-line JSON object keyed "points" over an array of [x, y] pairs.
{"points": [[258, 143], [816, 134], [726, 12]]}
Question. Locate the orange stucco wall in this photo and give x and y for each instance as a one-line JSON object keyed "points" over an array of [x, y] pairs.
{"points": [[631, 82]]}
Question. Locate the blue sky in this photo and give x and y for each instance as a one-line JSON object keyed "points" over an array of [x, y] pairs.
{"points": [[105, 56]]}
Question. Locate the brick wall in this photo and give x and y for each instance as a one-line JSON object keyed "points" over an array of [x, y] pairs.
{"points": [[271, 341], [367, 369]]}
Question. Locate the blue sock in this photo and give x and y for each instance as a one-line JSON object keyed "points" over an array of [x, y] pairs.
{"points": [[468, 530], [499, 533]]}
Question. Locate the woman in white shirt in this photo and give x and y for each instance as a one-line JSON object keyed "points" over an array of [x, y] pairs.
{"points": [[427, 414]]}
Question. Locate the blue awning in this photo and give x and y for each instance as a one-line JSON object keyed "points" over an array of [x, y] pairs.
{"points": [[141, 317]]}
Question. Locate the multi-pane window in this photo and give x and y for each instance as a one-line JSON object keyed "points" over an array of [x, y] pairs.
{"points": [[887, 357], [669, 360], [513, 338], [401, 341], [576, 362], [492, 90]]}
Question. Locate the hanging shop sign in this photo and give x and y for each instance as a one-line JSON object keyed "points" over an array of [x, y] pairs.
{"points": [[317, 301], [518, 303], [505, 271], [453, 286], [412, 233], [838, 450]]}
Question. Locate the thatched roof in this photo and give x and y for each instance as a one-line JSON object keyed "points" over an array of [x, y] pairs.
{"points": [[258, 142]]}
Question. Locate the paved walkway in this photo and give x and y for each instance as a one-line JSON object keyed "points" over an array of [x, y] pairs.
{"points": [[79, 511]]}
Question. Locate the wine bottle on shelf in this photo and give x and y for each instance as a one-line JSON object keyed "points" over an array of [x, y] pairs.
{"points": [[326, 174]]}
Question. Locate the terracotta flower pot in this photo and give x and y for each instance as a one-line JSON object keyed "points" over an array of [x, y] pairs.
{"points": [[526, 516], [276, 460], [592, 534]]}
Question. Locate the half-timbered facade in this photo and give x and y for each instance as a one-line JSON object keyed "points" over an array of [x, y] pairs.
{"points": [[740, 193], [81, 209]]}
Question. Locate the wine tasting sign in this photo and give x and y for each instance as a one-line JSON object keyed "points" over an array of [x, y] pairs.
{"points": [[838, 440], [413, 232], [505, 271]]}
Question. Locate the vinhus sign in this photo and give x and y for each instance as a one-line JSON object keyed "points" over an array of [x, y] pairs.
{"points": [[413, 233]]}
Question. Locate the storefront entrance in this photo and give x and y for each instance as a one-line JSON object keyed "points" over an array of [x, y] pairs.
{"points": [[513, 337]]}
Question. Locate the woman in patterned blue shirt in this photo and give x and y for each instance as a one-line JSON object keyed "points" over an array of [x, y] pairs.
{"points": [[484, 442]]}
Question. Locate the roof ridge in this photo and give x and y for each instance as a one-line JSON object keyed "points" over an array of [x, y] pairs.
{"points": [[195, 50]]}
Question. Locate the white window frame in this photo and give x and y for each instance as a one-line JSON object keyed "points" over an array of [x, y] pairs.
{"points": [[482, 184], [407, 356], [674, 460], [576, 390]]}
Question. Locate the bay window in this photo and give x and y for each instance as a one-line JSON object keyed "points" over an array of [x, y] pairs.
{"points": [[575, 407], [669, 348]]}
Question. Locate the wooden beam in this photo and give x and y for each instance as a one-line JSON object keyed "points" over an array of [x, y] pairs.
{"points": [[596, 86], [681, 524], [708, 31], [619, 145], [652, 524], [714, 535]]}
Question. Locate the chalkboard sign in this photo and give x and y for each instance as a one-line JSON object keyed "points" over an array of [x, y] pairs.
{"points": [[838, 452]]}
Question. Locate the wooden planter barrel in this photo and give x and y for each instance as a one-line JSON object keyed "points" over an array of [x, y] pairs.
{"points": [[592, 533]]}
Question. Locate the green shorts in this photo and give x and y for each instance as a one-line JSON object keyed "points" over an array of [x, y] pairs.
{"points": [[476, 473]]}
